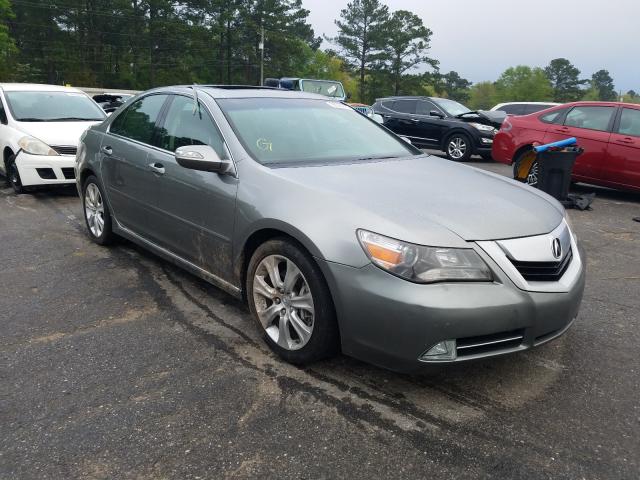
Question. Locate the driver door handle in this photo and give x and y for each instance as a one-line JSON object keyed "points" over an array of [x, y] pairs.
{"points": [[107, 150], [157, 168]]}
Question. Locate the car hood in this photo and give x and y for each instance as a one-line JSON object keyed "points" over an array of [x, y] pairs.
{"points": [[424, 200], [56, 133], [494, 119]]}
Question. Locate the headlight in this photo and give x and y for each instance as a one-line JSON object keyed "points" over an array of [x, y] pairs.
{"points": [[35, 147], [421, 264], [483, 128]]}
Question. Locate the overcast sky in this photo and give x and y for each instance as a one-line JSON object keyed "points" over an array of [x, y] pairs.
{"points": [[480, 39]]}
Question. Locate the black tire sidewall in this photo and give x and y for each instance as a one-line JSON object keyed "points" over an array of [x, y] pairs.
{"points": [[324, 341], [467, 153], [107, 235], [11, 166]]}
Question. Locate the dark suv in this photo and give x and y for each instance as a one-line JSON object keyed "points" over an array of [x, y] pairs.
{"points": [[442, 124]]}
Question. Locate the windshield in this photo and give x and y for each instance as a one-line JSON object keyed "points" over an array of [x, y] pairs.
{"points": [[278, 131], [323, 87], [32, 106], [451, 107]]}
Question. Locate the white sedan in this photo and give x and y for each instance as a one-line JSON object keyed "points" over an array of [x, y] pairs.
{"points": [[40, 127]]}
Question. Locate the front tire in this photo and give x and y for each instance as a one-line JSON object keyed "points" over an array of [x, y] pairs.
{"points": [[13, 176], [290, 301], [458, 147], [97, 216]]}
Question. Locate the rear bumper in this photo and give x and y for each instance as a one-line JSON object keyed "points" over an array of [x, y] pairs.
{"points": [[45, 170], [392, 323]]}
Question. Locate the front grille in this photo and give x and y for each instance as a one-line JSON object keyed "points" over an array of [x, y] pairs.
{"points": [[543, 271], [69, 173], [63, 150], [485, 344]]}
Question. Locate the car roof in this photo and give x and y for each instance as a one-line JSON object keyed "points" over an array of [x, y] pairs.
{"points": [[527, 103], [408, 97], [36, 87], [240, 91]]}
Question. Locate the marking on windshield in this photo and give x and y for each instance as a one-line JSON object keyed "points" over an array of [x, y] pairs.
{"points": [[264, 144]]}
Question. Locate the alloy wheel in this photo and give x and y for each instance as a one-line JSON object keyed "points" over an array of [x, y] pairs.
{"points": [[457, 148], [94, 209], [283, 302], [532, 176]]}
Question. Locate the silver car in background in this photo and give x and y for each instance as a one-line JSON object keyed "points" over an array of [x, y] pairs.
{"points": [[339, 234]]}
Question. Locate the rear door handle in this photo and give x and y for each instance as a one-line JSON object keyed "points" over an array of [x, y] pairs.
{"points": [[562, 129], [107, 150], [626, 140], [415, 120], [157, 168]]}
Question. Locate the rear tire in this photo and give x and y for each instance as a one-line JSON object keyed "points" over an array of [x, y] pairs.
{"points": [[458, 147], [532, 176], [97, 216], [291, 303]]}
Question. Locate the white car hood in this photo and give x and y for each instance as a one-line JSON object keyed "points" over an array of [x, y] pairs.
{"points": [[56, 133]]}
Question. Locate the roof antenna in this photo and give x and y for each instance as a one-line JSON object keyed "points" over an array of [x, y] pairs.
{"points": [[196, 103]]}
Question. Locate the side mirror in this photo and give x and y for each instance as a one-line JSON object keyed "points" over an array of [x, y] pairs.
{"points": [[378, 118], [406, 139], [201, 157], [436, 113], [348, 95]]}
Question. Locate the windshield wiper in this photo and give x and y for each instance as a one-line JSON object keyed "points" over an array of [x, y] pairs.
{"points": [[73, 119], [377, 158], [29, 119]]}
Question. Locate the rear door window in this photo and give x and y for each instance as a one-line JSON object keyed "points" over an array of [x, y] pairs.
{"points": [[553, 117], [138, 121], [405, 106], [590, 117], [629, 122], [183, 126], [533, 108], [512, 109]]}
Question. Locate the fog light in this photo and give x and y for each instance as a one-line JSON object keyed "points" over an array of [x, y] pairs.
{"points": [[445, 350], [486, 140]]}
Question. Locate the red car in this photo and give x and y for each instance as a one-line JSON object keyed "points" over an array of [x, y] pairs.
{"points": [[609, 133]]}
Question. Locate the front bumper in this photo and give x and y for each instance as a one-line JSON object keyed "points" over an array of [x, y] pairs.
{"points": [[45, 170], [391, 322]]}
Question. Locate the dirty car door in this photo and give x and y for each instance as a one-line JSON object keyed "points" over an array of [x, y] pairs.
{"points": [[198, 208], [131, 185]]}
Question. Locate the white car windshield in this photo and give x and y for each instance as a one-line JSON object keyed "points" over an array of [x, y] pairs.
{"points": [[321, 87], [277, 131], [37, 106]]}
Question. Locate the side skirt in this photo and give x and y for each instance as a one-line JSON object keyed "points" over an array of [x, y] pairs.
{"points": [[177, 260]]}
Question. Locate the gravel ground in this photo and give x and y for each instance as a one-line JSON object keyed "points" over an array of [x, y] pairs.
{"points": [[115, 364]]}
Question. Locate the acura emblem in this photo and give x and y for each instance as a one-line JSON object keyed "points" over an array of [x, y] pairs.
{"points": [[556, 248]]}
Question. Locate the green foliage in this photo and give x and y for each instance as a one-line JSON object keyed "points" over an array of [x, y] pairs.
{"points": [[602, 86], [7, 44], [483, 96], [407, 45], [362, 36], [523, 83], [565, 80]]}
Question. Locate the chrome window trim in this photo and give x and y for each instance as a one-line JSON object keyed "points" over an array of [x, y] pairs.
{"points": [[162, 150]]}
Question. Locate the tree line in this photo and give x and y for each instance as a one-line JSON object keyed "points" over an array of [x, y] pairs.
{"points": [[139, 44]]}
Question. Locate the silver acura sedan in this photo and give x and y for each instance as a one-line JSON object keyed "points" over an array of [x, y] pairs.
{"points": [[338, 234]]}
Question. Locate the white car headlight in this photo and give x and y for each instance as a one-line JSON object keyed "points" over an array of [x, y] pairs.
{"points": [[35, 147], [421, 264], [482, 127]]}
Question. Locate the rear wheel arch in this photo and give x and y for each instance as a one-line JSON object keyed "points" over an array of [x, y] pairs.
{"points": [[520, 151]]}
